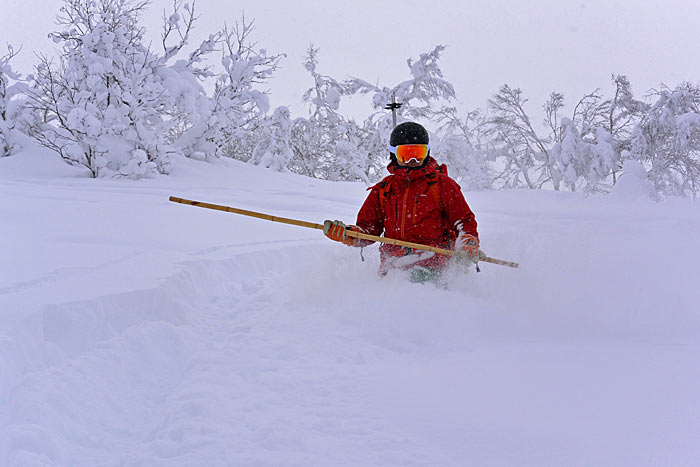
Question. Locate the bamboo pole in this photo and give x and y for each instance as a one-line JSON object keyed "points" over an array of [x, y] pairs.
{"points": [[350, 233]]}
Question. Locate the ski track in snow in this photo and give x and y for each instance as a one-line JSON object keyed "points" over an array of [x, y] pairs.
{"points": [[172, 336], [238, 377]]}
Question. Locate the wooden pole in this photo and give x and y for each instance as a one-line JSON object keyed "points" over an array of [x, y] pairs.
{"points": [[350, 233]]}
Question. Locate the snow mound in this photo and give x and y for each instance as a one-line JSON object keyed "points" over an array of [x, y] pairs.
{"points": [[38, 163], [633, 184]]}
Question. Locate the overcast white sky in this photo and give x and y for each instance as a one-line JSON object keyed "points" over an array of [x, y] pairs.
{"points": [[571, 46]]}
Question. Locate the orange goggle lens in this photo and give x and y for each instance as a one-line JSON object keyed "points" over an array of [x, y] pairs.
{"points": [[407, 152]]}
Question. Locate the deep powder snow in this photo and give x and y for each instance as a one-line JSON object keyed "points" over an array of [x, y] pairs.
{"points": [[137, 332]]}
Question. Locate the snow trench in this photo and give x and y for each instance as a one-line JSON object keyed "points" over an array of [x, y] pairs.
{"points": [[302, 356], [222, 359]]}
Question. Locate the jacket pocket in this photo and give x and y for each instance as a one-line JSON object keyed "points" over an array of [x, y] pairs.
{"points": [[425, 210]]}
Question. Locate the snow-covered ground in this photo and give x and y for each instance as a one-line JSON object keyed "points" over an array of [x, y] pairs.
{"points": [[139, 332]]}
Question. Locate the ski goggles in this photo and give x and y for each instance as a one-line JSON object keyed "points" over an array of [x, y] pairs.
{"points": [[407, 152]]}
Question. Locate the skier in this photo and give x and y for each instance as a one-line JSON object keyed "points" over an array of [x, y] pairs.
{"points": [[417, 203]]}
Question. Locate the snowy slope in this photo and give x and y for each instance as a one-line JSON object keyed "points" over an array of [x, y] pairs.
{"points": [[139, 332]]}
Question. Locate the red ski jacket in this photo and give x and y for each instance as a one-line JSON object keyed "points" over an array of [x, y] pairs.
{"points": [[415, 211]]}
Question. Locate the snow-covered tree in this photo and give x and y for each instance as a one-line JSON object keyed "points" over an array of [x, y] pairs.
{"points": [[525, 157], [459, 144], [667, 141], [623, 114], [590, 112], [313, 138], [421, 96], [230, 123], [273, 148], [588, 145], [186, 103], [102, 103], [327, 144], [577, 153], [603, 161], [568, 153], [11, 87], [583, 153], [582, 162], [357, 155], [116, 107]]}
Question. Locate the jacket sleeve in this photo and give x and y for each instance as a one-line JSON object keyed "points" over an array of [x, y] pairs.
{"points": [[459, 216], [370, 219]]}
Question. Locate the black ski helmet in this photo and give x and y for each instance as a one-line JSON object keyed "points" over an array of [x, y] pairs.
{"points": [[409, 133]]}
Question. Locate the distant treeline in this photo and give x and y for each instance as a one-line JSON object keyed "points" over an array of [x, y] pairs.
{"points": [[110, 103]]}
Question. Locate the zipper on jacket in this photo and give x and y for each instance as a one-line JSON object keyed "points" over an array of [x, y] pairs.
{"points": [[415, 207], [403, 214]]}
